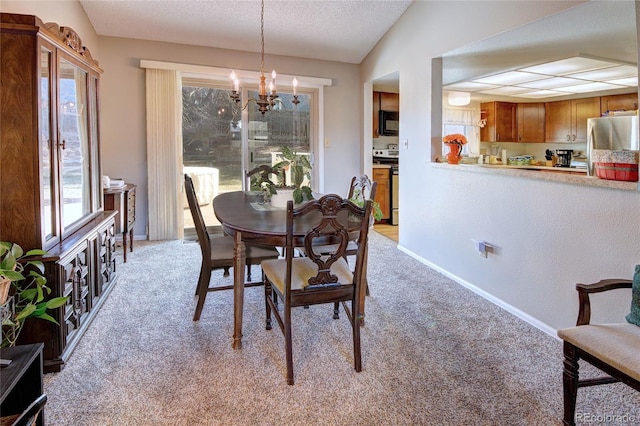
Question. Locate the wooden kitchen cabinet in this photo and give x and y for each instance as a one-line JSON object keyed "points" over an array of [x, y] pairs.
{"points": [[566, 121], [501, 125], [389, 101], [626, 102], [383, 101], [531, 122], [383, 192]]}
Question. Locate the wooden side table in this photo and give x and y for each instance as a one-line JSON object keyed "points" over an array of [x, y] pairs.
{"points": [[21, 381], [123, 200]]}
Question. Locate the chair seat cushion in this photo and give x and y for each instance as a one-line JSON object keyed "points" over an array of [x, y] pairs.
{"points": [[615, 344], [302, 268], [222, 249], [634, 315]]}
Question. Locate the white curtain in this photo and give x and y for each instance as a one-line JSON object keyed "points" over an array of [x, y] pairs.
{"points": [[465, 121], [164, 153]]}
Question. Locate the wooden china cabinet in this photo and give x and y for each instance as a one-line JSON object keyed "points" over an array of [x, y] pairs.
{"points": [[51, 193]]}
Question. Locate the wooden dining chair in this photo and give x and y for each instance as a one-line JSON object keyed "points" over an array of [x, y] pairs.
{"points": [[361, 189], [218, 252], [318, 278]]}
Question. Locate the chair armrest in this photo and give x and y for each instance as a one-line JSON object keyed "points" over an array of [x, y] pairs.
{"points": [[584, 313]]}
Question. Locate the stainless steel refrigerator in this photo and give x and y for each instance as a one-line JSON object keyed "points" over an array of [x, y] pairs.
{"points": [[612, 133]]}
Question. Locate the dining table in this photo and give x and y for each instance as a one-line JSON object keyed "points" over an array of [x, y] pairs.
{"points": [[249, 220]]}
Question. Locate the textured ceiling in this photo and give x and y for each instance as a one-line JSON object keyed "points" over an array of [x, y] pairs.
{"points": [[336, 30]]}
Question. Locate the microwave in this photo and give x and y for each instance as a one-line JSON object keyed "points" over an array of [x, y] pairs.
{"points": [[389, 123]]}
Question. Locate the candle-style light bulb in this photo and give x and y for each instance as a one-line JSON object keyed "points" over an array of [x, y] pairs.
{"points": [[272, 85], [295, 86], [233, 78], [236, 85]]}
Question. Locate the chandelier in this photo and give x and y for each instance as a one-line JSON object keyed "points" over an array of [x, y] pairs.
{"points": [[267, 100]]}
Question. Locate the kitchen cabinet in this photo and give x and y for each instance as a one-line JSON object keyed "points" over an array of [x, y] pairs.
{"points": [[389, 101], [50, 171], [566, 121], [627, 102], [501, 122], [383, 192], [531, 122], [383, 101]]}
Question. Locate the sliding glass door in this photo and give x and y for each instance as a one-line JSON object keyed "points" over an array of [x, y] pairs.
{"points": [[221, 141]]}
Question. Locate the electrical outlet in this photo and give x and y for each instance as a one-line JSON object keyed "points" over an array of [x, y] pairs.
{"points": [[481, 247]]}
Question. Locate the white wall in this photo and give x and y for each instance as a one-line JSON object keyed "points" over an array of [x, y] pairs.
{"points": [[123, 107], [64, 13], [548, 235]]}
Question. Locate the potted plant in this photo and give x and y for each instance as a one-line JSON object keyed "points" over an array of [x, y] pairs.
{"points": [[299, 189], [358, 199], [21, 276], [300, 168]]}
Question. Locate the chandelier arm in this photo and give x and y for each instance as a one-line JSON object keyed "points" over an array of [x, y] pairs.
{"points": [[266, 100]]}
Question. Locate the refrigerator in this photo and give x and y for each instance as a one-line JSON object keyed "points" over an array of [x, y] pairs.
{"points": [[614, 133]]}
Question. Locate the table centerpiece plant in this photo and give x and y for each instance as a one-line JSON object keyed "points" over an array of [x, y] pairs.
{"points": [[21, 277], [299, 167]]}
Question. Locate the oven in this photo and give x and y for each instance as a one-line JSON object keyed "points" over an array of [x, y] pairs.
{"points": [[394, 195], [386, 156], [390, 156]]}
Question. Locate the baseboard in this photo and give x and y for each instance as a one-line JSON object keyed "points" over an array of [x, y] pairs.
{"points": [[488, 296]]}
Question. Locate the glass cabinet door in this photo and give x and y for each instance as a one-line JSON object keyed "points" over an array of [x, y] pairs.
{"points": [[47, 164], [96, 167], [73, 148]]}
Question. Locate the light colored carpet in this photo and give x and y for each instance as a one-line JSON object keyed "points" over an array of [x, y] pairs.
{"points": [[434, 353]]}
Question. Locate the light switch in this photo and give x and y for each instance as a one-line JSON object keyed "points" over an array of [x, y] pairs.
{"points": [[327, 144], [405, 142]]}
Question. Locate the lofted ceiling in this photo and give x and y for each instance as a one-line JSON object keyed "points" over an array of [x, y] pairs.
{"points": [[343, 31], [604, 30]]}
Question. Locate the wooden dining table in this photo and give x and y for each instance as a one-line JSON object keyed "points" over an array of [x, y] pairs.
{"points": [[248, 221]]}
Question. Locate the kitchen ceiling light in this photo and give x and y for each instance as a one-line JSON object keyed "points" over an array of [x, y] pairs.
{"points": [[266, 101], [459, 98], [577, 74]]}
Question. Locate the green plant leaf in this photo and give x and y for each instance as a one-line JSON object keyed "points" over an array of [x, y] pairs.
{"points": [[36, 252], [48, 317], [12, 275], [38, 265], [26, 312], [29, 294], [56, 302]]}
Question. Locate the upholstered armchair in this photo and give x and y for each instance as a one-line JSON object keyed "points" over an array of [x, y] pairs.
{"points": [[612, 348]]}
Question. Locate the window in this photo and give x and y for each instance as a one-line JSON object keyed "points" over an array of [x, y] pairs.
{"points": [[463, 121], [220, 141]]}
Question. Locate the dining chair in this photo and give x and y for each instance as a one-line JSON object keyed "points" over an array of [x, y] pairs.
{"points": [[610, 347], [318, 278], [218, 252], [361, 189]]}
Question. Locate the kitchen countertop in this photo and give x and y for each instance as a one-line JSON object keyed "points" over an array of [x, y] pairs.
{"points": [[543, 173], [532, 167]]}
